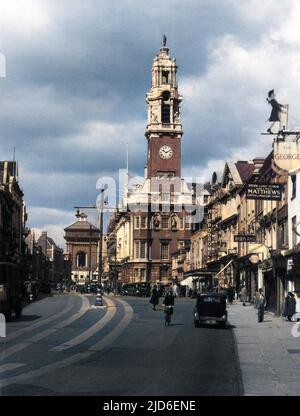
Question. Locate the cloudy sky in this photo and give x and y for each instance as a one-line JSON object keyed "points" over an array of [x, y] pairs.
{"points": [[77, 72]]}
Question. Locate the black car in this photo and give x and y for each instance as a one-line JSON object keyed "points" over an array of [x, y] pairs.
{"points": [[143, 289], [210, 309]]}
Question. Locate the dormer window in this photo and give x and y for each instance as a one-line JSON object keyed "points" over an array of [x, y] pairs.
{"points": [[165, 77]]}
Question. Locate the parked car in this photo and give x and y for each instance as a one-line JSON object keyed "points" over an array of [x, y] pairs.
{"points": [[210, 309], [143, 289]]}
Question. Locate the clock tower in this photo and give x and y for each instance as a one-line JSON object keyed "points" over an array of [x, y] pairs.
{"points": [[155, 218], [164, 128]]}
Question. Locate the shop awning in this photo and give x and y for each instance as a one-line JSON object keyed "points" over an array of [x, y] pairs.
{"points": [[187, 282]]}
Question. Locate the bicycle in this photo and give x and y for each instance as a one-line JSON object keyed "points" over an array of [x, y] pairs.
{"points": [[168, 313]]}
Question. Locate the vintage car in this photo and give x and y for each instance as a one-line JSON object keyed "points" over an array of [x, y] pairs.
{"points": [[210, 309]]}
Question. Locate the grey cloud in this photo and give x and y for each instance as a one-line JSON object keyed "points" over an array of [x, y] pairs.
{"points": [[93, 64]]}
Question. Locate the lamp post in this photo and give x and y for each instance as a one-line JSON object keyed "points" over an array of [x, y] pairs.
{"points": [[100, 269]]}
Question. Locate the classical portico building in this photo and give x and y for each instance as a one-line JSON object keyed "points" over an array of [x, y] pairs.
{"points": [[82, 245], [154, 219]]}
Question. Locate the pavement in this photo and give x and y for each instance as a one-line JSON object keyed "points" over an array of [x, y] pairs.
{"points": [[268, 353]]}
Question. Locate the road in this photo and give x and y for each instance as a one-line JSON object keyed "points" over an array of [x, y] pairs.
{"points": [[63, 345]]}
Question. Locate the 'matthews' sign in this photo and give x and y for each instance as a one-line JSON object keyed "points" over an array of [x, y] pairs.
{"points": [[263, 191]]}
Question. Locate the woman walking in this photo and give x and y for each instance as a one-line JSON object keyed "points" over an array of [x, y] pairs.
{"points": [[154, 300]]}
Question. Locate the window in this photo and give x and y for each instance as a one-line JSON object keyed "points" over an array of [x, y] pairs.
{"points": [[165, 223], [165, 251], [181, 223], [143, 222], [137, 222], [165, 197], [140, 249], [143, 250], [187, 223], [283, 234], [140, 274], [294, 186], [165, 113], [137, 249], [294, 225], [81, 259], [165, 77]]}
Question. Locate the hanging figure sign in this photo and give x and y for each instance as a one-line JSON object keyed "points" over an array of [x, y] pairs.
{"points": [[278, 116]]}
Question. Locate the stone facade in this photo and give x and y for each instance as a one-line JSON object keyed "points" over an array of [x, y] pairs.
{"points": [[82, 245]]}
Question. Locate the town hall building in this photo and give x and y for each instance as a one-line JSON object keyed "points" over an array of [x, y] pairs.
{"points": [[154, 219]]}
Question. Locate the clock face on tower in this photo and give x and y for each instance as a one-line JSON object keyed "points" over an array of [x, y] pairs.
{"points": [[165, 152]]}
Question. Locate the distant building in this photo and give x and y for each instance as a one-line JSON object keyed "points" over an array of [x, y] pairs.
{"points": [[82, 245], [12, 216], [54, 255]]}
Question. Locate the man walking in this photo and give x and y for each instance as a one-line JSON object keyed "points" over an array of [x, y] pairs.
{"points": [[260, 305]]}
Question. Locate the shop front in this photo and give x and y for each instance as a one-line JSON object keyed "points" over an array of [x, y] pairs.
{"points": [[293, 274], [247, 274]]}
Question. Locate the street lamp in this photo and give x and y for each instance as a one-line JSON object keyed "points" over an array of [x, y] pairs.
{"points": [[101, 237]]}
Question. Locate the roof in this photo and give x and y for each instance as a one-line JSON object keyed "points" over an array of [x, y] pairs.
{"points": [[240, 171], [245, 169], [82, 225]]}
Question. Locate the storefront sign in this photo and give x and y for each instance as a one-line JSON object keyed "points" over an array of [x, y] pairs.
{"points": [[287, 155], [209, 234], [245, 238], [264, 191]]}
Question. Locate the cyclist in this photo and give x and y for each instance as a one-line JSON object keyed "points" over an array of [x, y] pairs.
{"points": [[168, 304]]}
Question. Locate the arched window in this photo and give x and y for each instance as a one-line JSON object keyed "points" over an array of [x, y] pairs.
{"points": [[81, 259]]}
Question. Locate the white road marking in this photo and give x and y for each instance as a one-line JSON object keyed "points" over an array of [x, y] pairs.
{"points": [[117, 331], [111, 311], [10, 366], [41, 323], [19, 347], [77, 357], [13, 350]]}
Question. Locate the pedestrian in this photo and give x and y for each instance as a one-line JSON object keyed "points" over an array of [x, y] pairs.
{"points": [[261, 305], [230, 294], [244, 295], [169, 302], [290, 306], [256, 297], [154, 300], [175, 290]]}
